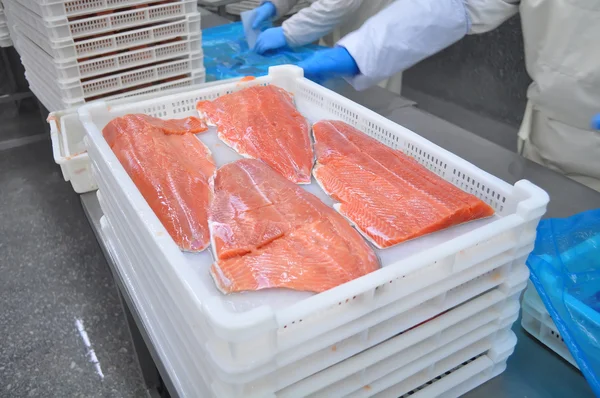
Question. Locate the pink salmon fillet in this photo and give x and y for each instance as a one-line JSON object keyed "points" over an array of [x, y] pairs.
{"points": [[388, 195], [268, 232], [261, 122], [171, 168]]}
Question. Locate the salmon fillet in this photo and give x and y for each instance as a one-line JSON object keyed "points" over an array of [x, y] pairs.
{"points": [[268, 232], [389, 196], [261, 122], [171, 168]]}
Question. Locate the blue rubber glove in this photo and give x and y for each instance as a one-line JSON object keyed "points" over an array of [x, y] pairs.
{"points": [[263, 13], [596, 122], [270, 39], [326, 64]]}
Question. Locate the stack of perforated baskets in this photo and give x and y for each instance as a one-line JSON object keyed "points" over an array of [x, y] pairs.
{"points": [[435, 320], [80, 50]]}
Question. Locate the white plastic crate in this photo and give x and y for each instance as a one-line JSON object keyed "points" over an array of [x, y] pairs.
{"points": [[356, 336], [76, 70], [297, 363], [53, 103], [41, 87], [537, 321], [69, 50], [339, 345], [76, 91], [462, 378], [455, 375], [61, 29], [252, 334], [60, 9], [483, 316]]}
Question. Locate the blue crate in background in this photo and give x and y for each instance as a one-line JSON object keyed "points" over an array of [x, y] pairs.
{"points": [[226, 54], [565, 269]]}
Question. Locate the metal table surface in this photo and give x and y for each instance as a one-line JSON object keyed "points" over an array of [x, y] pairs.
{"points": [[533, 370]]}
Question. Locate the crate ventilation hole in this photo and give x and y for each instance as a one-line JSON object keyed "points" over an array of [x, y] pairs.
{"points": [[430, 382], [553, 333], [339, 303]]}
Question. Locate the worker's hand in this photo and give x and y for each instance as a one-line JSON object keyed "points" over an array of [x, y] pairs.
{"points": [[270, 39], [596, 122], [263, 13], [333, 62]]}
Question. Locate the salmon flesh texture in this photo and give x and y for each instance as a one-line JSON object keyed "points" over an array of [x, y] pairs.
{"points": [[268, 232], [171, 168], [261, 122], [389, 196]]}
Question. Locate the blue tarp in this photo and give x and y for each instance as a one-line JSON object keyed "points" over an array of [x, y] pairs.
{"points": [[565, 269], [226, 54]]}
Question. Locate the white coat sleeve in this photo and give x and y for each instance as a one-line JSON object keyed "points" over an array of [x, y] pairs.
{"points": [[408, 31], [486, 15], [318, 20]]}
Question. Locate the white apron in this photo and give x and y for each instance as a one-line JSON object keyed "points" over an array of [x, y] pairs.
{"points": [[367, 9], [562, 54]]}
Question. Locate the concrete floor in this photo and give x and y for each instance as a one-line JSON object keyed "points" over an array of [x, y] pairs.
{"points": [[63, 330]]}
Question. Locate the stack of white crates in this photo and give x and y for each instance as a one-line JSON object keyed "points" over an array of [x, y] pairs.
{"points": [[435, 320], [5, 40], [80, 50]]}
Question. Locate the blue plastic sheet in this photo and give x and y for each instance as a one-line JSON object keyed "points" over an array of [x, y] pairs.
{"points": [[226, 54], [565, 269]]}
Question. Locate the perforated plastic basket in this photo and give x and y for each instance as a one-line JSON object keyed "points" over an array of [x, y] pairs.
{"points": [[76, 70], [253, 334], [80, 91], [59, 9], [60, 29], [68, 50], [479, 320], [537, 321], [340, 344], [54, 103]]}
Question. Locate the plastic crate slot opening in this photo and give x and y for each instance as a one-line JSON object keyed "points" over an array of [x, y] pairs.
{"points": [[82, 5], [312, 96], [469, 184], [339, 304], [440, 377], [425, 159], [554, 334]]}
